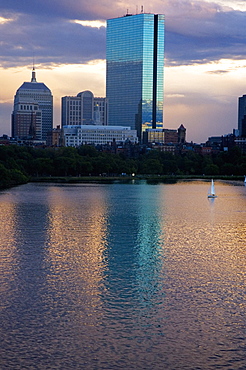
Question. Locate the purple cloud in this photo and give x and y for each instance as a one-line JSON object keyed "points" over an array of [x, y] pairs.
{"points": [[196, 32]]}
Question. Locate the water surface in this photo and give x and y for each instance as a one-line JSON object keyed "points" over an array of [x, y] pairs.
{"points": [[123, 276]]}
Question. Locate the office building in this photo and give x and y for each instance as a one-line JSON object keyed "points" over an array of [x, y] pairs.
{"points": [[135, 67], [84, 109], [32, 115], [26, 121], [242, 116], [97, 135]]}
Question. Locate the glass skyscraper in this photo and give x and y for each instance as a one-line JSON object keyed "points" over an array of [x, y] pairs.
{"points": [[242, 116], [135, 67]]}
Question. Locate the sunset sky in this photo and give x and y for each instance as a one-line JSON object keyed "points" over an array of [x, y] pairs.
{"points": [[205, 56]]}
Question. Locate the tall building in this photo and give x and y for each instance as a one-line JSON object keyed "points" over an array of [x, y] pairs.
{"points": [[32, 116], [84, 109], [242, 116], [135, 68]]}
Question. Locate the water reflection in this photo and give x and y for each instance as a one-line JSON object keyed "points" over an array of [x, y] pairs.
{"points": [[134, 245], [204, 279], [77, 242], [123, 276], [8, 256]]}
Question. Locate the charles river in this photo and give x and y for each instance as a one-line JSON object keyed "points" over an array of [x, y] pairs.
{"points": [[123, 276]]}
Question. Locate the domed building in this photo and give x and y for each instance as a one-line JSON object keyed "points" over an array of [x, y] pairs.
{"points": [[32, 116]]}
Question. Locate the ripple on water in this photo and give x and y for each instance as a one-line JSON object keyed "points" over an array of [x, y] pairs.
{"points": [[123, 277]]}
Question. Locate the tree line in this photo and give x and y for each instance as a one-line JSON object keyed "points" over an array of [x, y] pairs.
{"points": [[19, 164]]}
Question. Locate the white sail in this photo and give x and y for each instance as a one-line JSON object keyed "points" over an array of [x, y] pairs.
{"points": [[211, 193]]}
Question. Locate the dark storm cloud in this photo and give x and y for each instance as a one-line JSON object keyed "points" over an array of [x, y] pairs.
{"points": [[199, 40], [196, 32], [57, 41]]}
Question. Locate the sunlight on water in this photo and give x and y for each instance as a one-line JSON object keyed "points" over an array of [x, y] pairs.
{"points": [[123, 276], [8, 258], [205, 280], [77, 241]]}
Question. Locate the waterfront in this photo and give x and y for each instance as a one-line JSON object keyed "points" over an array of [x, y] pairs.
{"points": [[123, 276]]}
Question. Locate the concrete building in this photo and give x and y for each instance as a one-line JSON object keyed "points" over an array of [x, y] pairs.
{"points": [[97, 135], [84, 109], [26, 121], [32, 115], [135, 68]]}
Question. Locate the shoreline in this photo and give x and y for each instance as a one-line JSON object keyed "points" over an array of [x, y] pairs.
{"points": [[236, 180]]}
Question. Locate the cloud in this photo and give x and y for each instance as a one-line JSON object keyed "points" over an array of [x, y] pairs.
{"points": [[205, 55], [51, 43], [218, 72], [205, 36], [93, 24], [58, 32], [5, 20]]}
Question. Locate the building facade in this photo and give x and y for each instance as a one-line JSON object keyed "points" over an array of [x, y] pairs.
{"points": [[84, 109], [32, 115], [27, 121], [242, 116], [165, 136], [135, 67], [55, 137], [97, 135]]}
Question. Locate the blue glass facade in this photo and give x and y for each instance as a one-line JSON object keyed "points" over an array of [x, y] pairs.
{"points": [[135, 67], [242, 116]]}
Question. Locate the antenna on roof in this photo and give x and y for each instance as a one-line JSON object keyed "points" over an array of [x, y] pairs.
{"points": [[33, 71]]}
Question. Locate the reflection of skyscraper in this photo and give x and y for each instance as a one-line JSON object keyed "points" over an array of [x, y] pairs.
{"points": [[135, 66], [32, 116]]}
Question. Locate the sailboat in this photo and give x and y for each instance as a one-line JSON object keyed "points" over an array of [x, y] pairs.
{"points": [[211, 193]]}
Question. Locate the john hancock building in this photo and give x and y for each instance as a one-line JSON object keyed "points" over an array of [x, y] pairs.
{"points": [[135, 68]]}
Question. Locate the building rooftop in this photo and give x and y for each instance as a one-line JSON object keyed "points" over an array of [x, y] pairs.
{"points": [[33, 85]]}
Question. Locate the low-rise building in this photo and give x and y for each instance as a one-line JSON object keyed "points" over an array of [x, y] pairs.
{"points": [[55, 137], [164, 135], [97, 135], [241, 143]]}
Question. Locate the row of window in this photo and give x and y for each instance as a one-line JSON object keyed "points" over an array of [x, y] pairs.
{"points": [[28, 107]]}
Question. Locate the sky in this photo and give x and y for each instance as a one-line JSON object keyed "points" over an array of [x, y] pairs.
{"points": [[205, 56]]}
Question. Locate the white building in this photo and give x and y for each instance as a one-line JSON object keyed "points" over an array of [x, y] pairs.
{"points": [[84, 109], [96, 135]]}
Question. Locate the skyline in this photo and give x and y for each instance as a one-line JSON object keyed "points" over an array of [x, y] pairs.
{"points": [[205, 57]]}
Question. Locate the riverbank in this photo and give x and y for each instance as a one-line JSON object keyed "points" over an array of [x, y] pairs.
{"points": [[148, 178]]}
